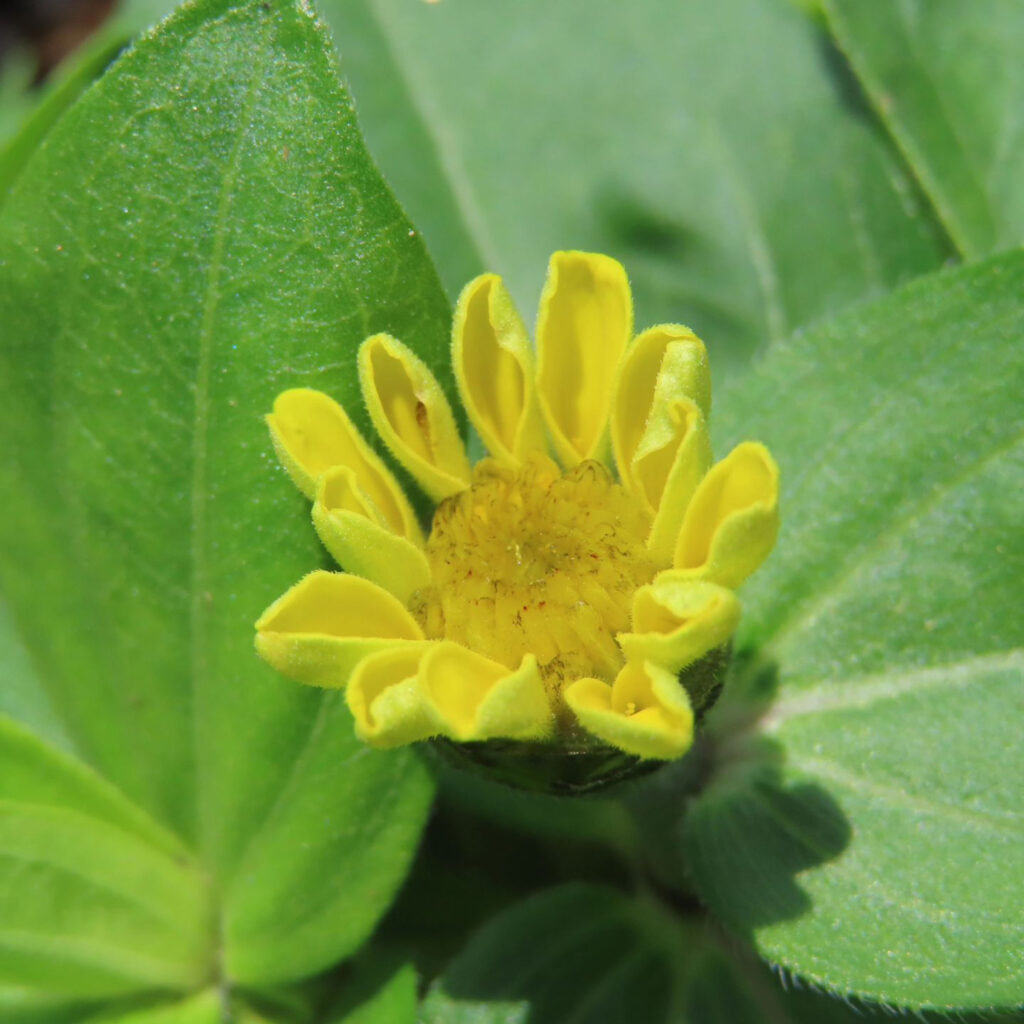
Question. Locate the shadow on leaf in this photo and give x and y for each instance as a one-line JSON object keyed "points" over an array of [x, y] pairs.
{"points": [[751, 832]]}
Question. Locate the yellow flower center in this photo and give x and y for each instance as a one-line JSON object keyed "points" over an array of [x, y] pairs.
{"points": [[533, 561]]}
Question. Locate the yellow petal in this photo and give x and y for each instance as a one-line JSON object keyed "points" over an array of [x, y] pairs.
{"points": [[645, 712], [387, 700], [677, 620], [672, 458], [353, 531], [665, 363], [412, 415], [584, 325], [312, 434], [493, 363], [733, 519], [318, 631], [479, 699]]}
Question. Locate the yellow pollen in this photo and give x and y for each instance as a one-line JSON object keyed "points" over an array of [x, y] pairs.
{"points": [[534, 561]]}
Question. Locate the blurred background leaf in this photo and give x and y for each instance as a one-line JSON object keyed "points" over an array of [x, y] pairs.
{"points": [[22, 696], [947, 79], [593, 956], [204, 1008], [89, 910], [25, 123], [719, 150]]}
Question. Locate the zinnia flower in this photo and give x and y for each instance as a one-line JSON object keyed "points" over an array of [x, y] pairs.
{"points": [[559, 595]]}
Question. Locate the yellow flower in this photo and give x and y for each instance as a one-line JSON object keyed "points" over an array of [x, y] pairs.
{"points": [[551, 599]]}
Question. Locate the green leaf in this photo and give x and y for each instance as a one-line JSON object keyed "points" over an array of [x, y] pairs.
{"points": [[79, 71], [202, 230], [204, 1008], [870, 835], [16, 94], [743, 208], [25, 1006], [33, 773], [377, 995], [22, 695], [587, 954], [947, 79], [333, 848], [90, 910]]}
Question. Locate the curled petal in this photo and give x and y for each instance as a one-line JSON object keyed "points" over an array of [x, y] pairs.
{"points": [[387, 701], [645, 712], [666, 363], [312, 434], [412, 415], [320, 629], [584, 325], [733, 519], [478, 699], [353, 531], [493, 363], [672, 458], [677, 620]]}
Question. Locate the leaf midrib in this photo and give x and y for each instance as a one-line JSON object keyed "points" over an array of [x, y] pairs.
{"points": [[857, 693], [890, 795], [200, 426], [916, 160]]}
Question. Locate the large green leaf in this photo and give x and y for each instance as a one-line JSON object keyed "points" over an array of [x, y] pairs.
{"points": [[712, 147], [202, 230], [336, 843], [22, 696], [948, 80], [870, 834], [205, 1008], [376, 996], [279, 252], [27, 1006], [91, 910], [588, 954], [33, 773]]}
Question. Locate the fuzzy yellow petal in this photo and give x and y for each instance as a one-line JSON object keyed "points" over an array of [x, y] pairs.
{"points": [[665, 363], [312, 434], [387, 700], [324, 625], [583, 327], [479, 699], [645, 712], [412, 416], [733, 519], [353, 531], [677, 620], [673, 456], [493, 363]]}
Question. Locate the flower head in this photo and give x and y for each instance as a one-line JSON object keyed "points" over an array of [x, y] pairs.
{"points": [[570, 580]]}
